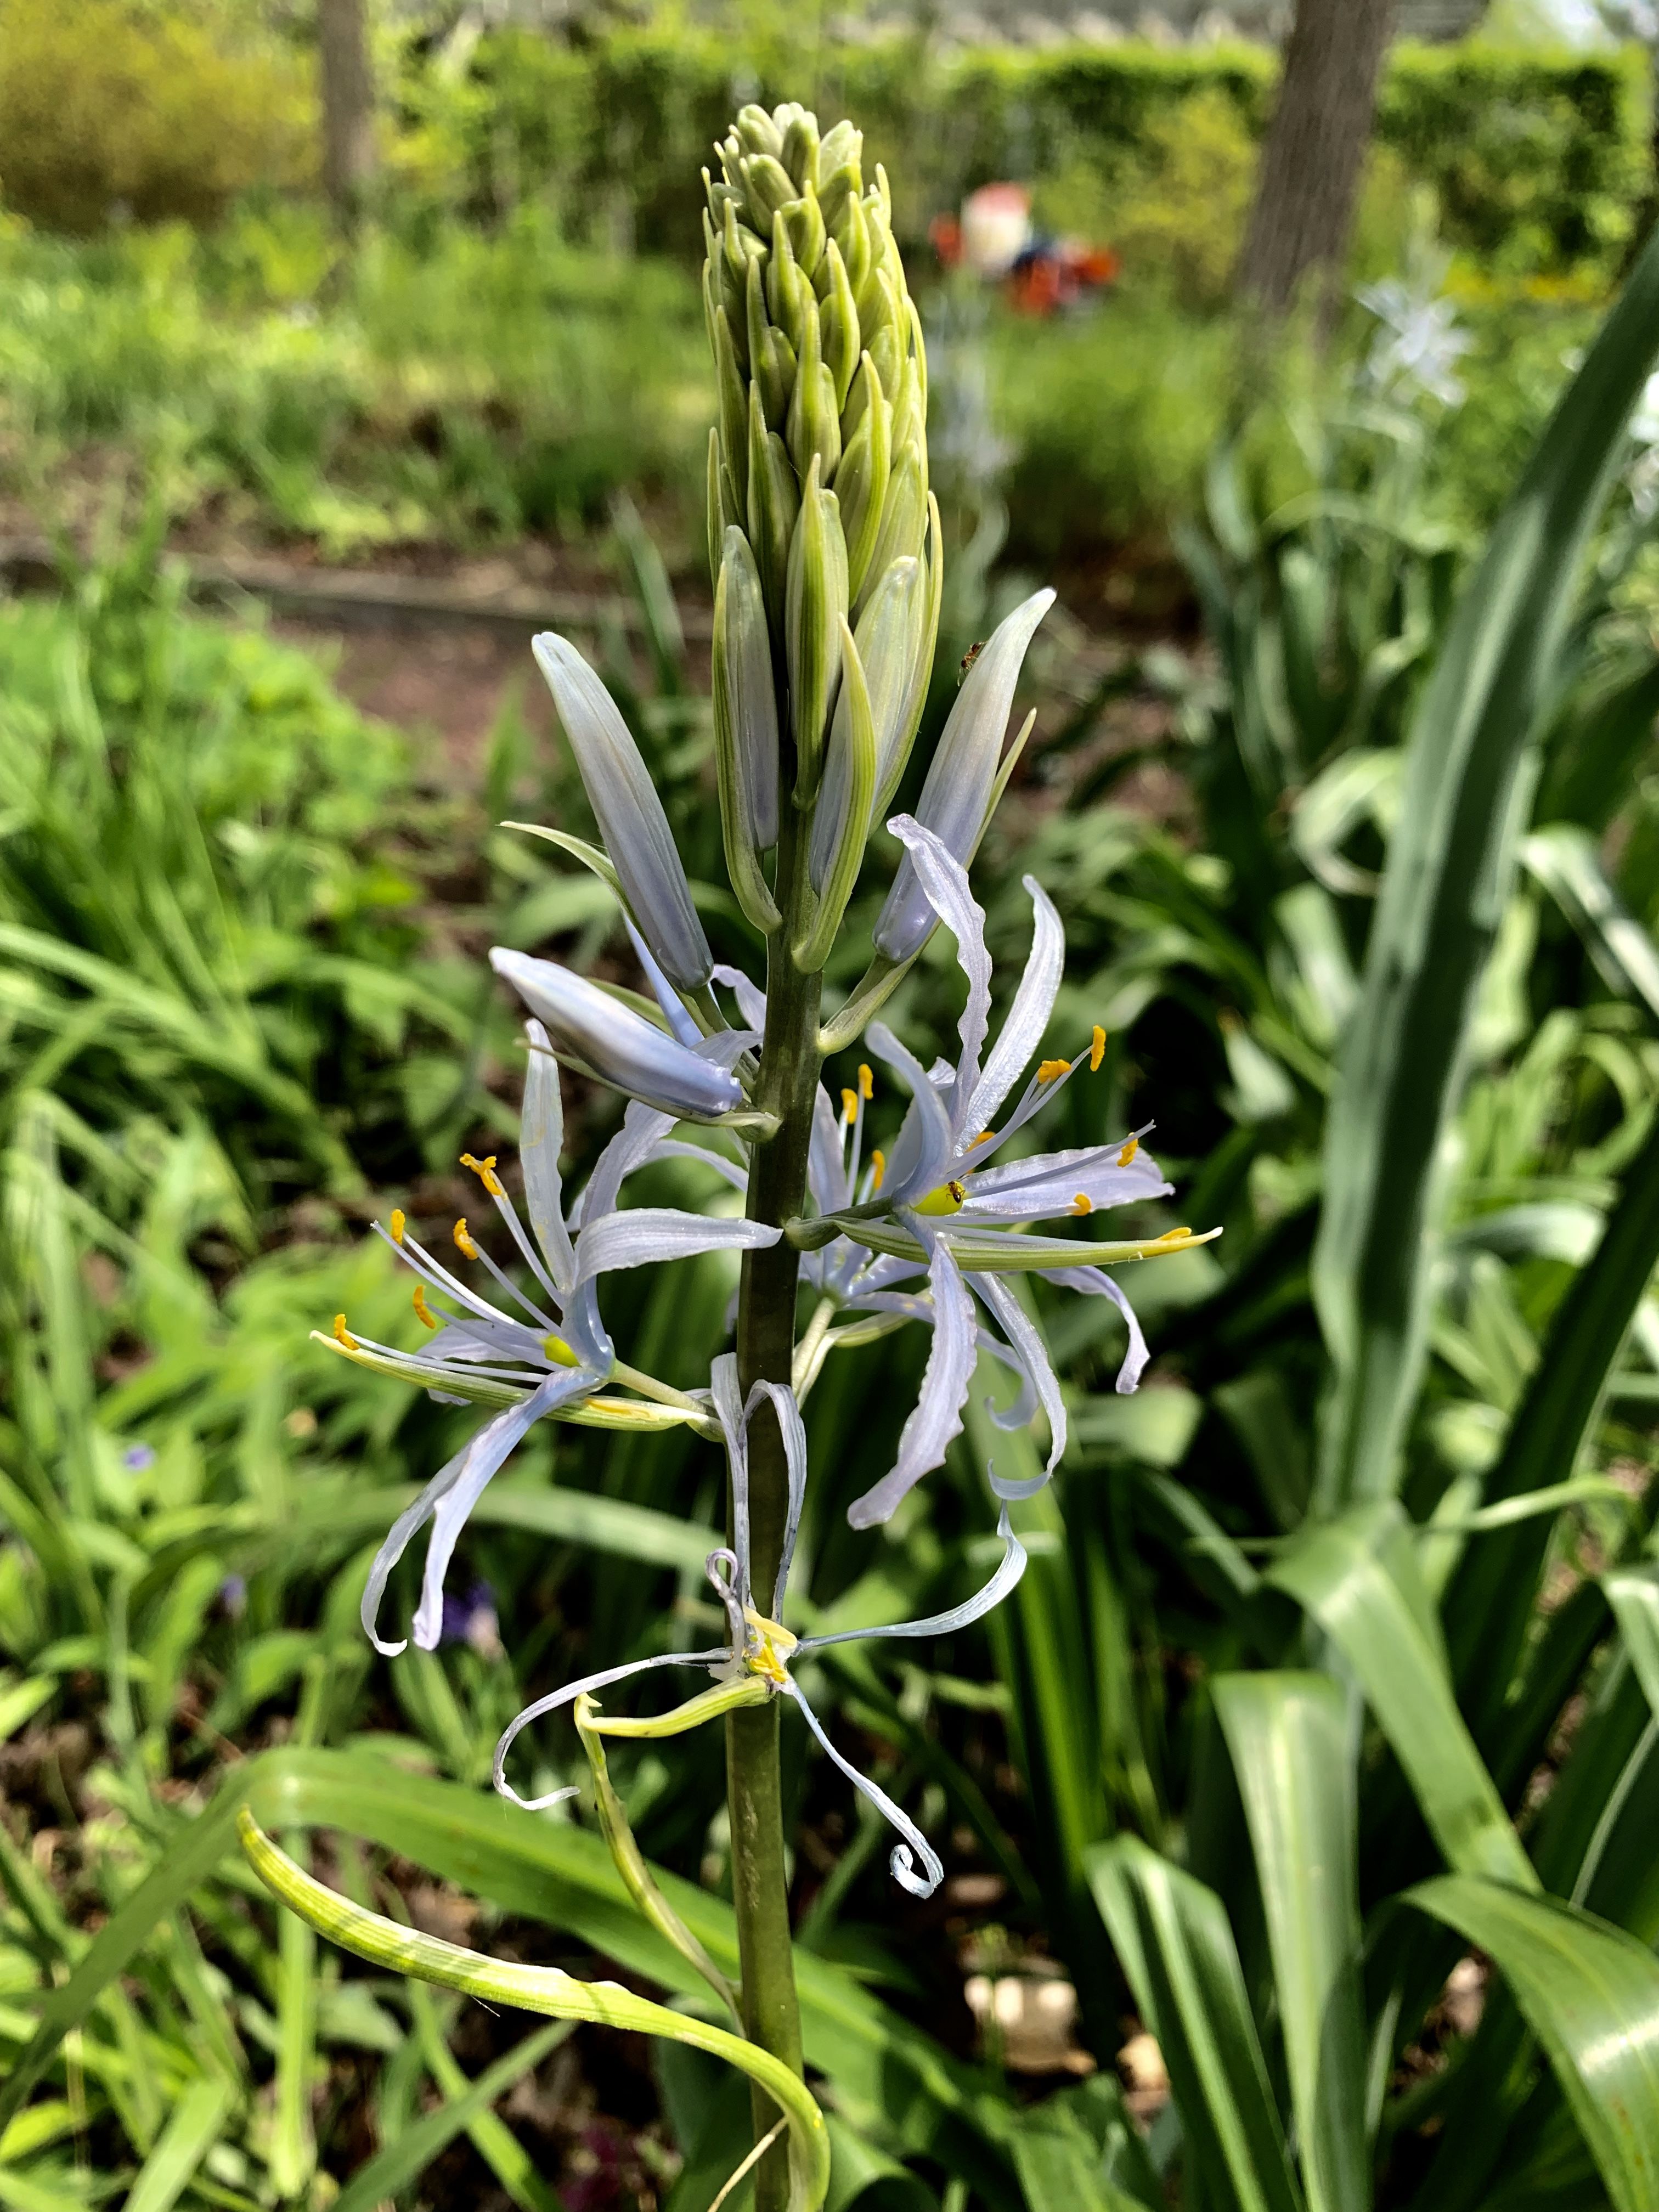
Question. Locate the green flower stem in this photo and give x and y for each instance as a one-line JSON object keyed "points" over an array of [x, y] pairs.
{"points": [[766, 1345]]}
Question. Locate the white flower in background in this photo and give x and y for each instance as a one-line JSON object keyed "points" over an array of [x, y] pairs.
{"points": [[1419, 345], [545, 1351], [1642, 475], [937, 1205], [760, 1652]]}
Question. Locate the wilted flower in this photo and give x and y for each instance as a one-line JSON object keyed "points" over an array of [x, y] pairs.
{"points": [[759, 1649], [937, 1205], [551, 1355]]}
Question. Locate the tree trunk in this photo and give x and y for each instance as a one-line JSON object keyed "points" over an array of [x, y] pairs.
{"points": [[348, 88], [1316, 150]]}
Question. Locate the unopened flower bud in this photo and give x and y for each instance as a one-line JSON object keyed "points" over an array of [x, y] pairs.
{"points": [[629, 812], [745, 728], [962, 773], [817, 604], [619, 1046]]}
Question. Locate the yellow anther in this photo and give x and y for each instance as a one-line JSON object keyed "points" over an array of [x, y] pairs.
{"points": [[559, 1351], [1096, 1050], [878, 1168], [1052, 1069], [423, 1311], [769, 1643], [399, 1219], [1083, 1203], [866, 1080], [984, 1138], [849, 1104], [463, 1242], [1128, 1151], [342, 1334], [485, 1171], [947, 1198]]}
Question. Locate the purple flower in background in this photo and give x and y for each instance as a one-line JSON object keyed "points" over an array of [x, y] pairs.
{"points": [[472, 1619], [138, 1458], [232, 1596]]}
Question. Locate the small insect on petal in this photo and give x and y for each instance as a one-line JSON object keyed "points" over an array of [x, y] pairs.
{"points": [[947, 1198], [1096, 1050], [423, 1311], [463, 1241], [1128, 1151], [1052, 1069], [877, 1168], [342, 1334], [485, 1171], [866, 1080], [1083, 1203], [399, 1219]]}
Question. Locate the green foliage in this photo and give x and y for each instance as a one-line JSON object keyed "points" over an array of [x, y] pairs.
{"points": [[1537, 160], [109, 108], [456, 384]]}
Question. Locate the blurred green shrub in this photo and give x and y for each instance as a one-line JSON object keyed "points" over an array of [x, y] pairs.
{"points": [[1538, 158], [105, 109]]}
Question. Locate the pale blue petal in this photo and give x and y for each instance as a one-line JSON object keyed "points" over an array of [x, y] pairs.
{"points": [[678, 1148], [1009, 1571], [1096, 1283], [662, 990], [630, 814], [1047, 1185], [945, 882], [793, 1433], [1028, 1017], [751, 1000], [902, 1863], [647, 1233], [727, 1400], [920, 1158], [937, 1418], [1022, 1334], [486, 1451], [541, 1138], [959, 778], [621, 1047], [568, 1696], [826, 1173]]}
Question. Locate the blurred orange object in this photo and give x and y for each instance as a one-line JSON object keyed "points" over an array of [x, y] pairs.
{"points": [[994, 238]]}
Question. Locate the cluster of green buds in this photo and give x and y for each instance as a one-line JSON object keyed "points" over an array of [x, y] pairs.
{"points": [[825, 541]]}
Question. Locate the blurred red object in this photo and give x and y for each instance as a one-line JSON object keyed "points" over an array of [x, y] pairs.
{"points": [[994, 238]]}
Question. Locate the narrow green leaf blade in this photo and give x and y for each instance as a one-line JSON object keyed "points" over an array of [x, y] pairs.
{"points": [[1172, 1938], [1590, 1994], [1358, 1578], [1293, 1742], [1444, 888], [191, 2130], [390, 2171]]}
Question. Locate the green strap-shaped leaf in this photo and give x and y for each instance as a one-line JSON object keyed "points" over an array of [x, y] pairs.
{"points": [[390, 2171], [1633, 1594], [889, 2077], [1358, 1578], [544, 1990], [191, 2130], [1293, 1742], [1450, 862], [1562, 858], [1171, 1937], [1590, 1994], [1489, 1601]]}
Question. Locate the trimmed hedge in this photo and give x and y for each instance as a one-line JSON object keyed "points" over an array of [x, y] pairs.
{"points": [[1538, 159]]}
